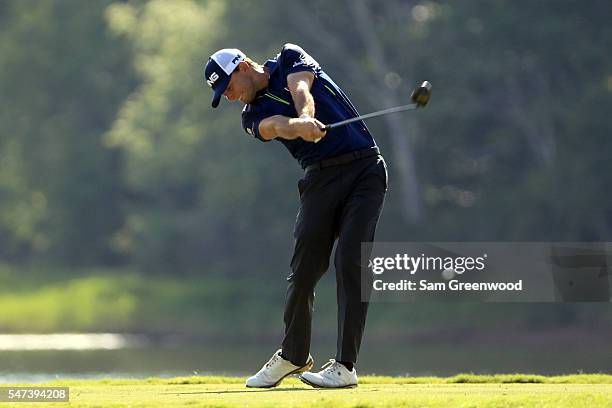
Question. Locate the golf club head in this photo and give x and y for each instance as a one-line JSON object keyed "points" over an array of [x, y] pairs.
{"points": [[420, 96]]}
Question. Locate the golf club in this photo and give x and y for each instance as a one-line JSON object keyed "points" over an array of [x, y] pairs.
{"points": [[420, 97]]}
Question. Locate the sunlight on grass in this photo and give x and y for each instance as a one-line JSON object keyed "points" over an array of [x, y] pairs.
{"points": [[465, 390]]}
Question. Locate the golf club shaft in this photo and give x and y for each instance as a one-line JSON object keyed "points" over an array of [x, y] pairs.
{"points": [[371, 115]]}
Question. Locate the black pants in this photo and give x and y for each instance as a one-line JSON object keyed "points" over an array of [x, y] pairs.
{"points": [[340, 202]]}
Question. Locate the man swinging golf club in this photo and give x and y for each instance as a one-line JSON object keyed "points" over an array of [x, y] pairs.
{"points": [[289, 99]]}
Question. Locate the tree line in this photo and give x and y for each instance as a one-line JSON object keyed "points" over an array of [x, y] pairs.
{"points": [[111, 155]]}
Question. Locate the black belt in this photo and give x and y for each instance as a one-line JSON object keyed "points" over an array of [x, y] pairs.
{"points": [[344, 158]]}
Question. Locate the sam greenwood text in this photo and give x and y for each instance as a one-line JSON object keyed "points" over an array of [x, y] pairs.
{"points": [[454, 285]]}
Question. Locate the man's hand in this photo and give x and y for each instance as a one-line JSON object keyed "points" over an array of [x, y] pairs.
{"points": [[309, 129]]}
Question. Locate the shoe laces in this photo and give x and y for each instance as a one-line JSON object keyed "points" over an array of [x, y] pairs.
{"points": [[330, 366], [273, 360]]}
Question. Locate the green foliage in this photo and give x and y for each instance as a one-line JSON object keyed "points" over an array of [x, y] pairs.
{"points": [[89, 303], [195, 175], [61, 76], [111, 155], [44, 300], [41, 300]]}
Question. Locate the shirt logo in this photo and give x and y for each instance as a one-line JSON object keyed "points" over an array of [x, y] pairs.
{"points": [[304, 60], [213, 77]]}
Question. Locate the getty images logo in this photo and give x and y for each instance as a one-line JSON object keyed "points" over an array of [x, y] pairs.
{"points": [[413, 264]]}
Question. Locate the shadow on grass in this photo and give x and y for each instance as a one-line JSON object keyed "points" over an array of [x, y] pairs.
{"points": [[242, 391]]}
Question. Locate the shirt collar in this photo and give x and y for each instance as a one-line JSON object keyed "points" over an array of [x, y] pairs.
{"points": [[272, 66]]}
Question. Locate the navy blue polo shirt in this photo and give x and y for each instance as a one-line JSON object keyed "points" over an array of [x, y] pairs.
{"points": [[331, 105]]}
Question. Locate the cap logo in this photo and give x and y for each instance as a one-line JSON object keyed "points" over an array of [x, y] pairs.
{"points": [[213, 77]]}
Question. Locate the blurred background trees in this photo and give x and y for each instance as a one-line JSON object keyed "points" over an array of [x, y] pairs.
{"points": [[63, 77], [110, 154]]}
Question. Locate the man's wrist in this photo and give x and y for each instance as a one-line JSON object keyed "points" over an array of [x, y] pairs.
{"points": [[294, 126]]}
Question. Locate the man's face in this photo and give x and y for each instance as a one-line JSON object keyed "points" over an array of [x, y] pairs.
{"points": [[241, 85]]}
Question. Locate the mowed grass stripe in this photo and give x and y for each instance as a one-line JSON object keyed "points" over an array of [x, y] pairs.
{"points": [[465, 390], [296, 394], [368, 379]]}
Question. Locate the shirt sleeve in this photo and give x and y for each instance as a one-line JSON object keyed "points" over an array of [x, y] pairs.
{"points": [[294, 59], [250, 124]]}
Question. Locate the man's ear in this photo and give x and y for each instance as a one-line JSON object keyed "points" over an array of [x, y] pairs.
{"points": [[243, 66]]}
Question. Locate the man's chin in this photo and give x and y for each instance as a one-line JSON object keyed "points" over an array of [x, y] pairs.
{"points": [[246, 99]]}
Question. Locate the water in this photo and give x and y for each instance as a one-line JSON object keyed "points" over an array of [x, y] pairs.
{"points": [[379, 356]]}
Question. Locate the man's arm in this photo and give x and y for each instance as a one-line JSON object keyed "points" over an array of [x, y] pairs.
{"points": [[299, 84], [307, 128]]}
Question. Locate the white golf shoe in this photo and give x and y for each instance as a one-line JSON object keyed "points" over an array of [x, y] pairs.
{"points": [[332, 375], [275, 370]]}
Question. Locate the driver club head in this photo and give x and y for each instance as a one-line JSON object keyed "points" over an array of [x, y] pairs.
{"points": [[420, 96]]}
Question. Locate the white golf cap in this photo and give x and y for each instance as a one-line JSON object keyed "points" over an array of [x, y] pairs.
{"points": [[218, 70]]}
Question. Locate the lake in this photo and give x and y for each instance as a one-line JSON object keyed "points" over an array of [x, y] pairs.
{"points": [[137, 357]]}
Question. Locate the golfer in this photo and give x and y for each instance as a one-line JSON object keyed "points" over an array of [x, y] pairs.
{"points": [[289, 99]]}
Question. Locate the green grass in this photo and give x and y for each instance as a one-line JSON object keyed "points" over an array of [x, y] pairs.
{"points": [[44, 299], [516, 390], [41, 300]]}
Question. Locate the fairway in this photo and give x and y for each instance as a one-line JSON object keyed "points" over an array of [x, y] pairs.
{"points": [[459, 391]]}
